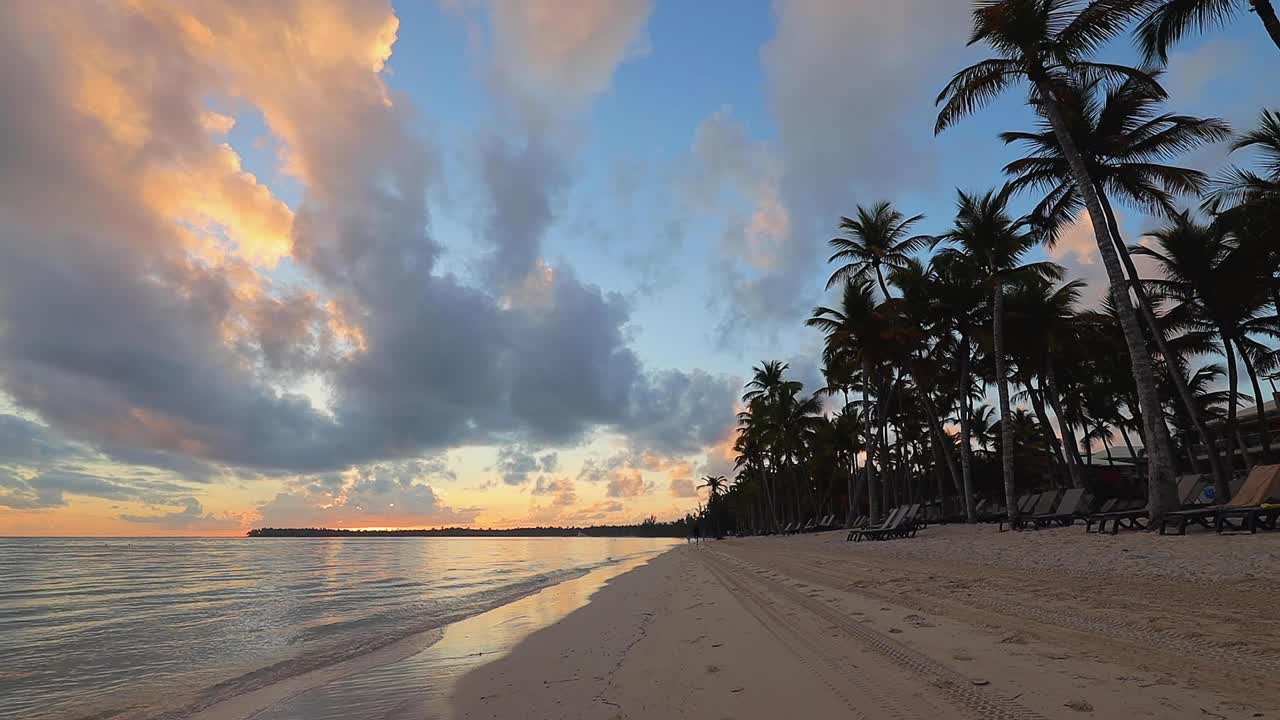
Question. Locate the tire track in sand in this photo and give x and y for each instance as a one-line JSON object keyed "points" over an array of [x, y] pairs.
{"points": [[910, 684]]}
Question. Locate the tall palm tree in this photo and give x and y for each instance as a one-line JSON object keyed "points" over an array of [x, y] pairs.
{"points": [[1048, 43], [986, 232], [1045, 322], [875, 238], [1170, 20], [959, 291], [1125, 142], [1212, 283], [852, 331], [715, 485]]}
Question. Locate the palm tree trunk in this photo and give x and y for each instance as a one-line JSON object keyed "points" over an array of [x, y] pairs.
{"points": [[1171, 364], [873, 492], [1230, 429], [1051, 443], [1128, 442], [1106, 444], [853, 463], [1068, 434], [939, 438], [1267, 14], [1191, 453], [1259, 404], [1002, 385], [1244, 449], [1161, 489], [966, 451]]}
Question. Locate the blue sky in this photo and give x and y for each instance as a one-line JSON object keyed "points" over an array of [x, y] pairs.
{"points": [[512, 268]]}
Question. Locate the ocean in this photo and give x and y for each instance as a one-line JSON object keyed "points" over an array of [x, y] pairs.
{"points": [[141, 628]]}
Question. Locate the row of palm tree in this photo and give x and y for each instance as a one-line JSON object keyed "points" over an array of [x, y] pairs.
{"points": [[926, 323]]}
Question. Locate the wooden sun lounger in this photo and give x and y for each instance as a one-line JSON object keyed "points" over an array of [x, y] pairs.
{"points": [[1065, 515], [894, 516], [1125, 514], [1252, 514], [903, 522], [1034, 505]]}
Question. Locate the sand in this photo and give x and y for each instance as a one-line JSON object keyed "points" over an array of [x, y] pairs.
{"points": [[959, 622]]}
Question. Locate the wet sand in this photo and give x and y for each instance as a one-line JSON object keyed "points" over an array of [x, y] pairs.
{"points": [[959, 622]]}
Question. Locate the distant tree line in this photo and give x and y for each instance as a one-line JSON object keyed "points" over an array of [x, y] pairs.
{"points": [[650, 527]]}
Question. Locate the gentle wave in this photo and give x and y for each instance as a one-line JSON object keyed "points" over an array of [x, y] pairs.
{"points": [[94, 629]]}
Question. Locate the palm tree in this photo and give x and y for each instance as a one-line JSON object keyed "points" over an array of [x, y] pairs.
{"points": [[960, 293], [986, 232], [984, 427], [715, 485], [1238, 186], [1213, 285], [1124, 140], [1048, 44], [1045, 323], [852, 331], [1172, 19], [877, 237]]}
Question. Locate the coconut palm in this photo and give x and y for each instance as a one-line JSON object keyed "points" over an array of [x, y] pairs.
{"points": [[875, 238], [985, 232], [1044, 322], [1170, 20], [1238, 186], [1212, 284], [1125, 142], [852, 331], [715, 485], [1048, 43], [960, 292]]}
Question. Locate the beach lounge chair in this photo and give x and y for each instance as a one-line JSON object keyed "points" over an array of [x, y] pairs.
{"points": [[1035, 505], [911, 522], [809, 526], [1124, 514], [891, 519], [828, 522], [1103, 509], [896, 524], [1065, 514], [1133, 514], [1254, 506]]}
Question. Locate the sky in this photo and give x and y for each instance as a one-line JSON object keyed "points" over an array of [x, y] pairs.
{"points": [[354, 263]]}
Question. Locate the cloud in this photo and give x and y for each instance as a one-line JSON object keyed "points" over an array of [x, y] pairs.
{"points": [[683, 487], [562, 489], [516, 464], [23, 442], [141, 266], [627, 484], [49, 488], [1077, 251], [382, 495], [191, 517], [546, 49], [843, 83]]}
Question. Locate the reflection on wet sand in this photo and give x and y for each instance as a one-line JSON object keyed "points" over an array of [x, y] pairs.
{"points": [[418, 686]]}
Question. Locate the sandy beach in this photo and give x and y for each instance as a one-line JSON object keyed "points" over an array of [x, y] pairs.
{"points": [[958, 622]]}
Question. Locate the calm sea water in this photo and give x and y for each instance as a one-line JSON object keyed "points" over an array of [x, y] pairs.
{"points": [[93, 627]]}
